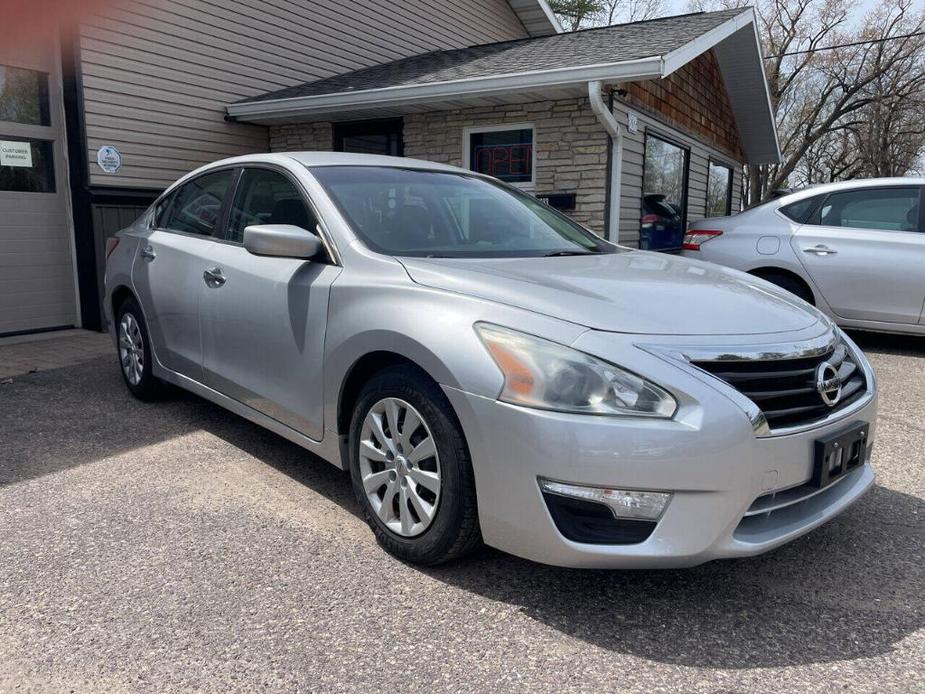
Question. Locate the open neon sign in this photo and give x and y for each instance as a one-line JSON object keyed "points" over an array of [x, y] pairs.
{"points": [[507, 162]]}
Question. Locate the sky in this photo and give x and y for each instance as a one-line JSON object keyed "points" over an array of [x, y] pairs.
{"points": [[682, 6]]}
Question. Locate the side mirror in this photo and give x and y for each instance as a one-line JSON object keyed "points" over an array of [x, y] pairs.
{"points": [[281, 241]]}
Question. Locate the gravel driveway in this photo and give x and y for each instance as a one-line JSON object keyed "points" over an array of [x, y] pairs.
{"points": [[177, 546]]}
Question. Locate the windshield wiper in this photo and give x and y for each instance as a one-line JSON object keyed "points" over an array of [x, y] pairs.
{"points": [[554, 254]]}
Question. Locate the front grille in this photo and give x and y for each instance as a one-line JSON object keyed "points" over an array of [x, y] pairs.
{"points": [[785, 389]]}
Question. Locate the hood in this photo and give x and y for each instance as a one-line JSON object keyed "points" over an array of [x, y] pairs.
{"points": [[627, 292]]}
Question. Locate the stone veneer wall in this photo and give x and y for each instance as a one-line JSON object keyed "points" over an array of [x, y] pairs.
{"points": [[301, 137], [571, 147]]}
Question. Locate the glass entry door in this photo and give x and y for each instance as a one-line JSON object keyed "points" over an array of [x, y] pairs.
{"points": [[382, 136]]}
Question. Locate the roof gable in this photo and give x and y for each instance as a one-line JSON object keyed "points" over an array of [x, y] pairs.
{"points": [[546, 67]]}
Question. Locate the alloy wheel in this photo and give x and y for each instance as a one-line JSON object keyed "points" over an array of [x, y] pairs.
{"points": [[131, 349], [399, 467]]}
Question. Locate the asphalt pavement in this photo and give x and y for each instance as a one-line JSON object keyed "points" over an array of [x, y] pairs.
{"points": [[175, 546]]}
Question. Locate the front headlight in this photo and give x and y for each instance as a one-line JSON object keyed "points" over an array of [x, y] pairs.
{"points": [[549, 376]]}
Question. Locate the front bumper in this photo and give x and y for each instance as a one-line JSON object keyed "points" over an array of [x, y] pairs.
{"points": [[709, 459]]}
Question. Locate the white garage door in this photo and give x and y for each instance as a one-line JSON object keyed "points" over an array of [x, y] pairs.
{"points": [[36, 261]]}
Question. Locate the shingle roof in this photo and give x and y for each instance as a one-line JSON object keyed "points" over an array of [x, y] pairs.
{"points": [[613, 44]]}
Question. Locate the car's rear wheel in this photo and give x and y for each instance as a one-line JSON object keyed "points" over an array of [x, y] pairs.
{"points": [[135, 352], [410, 468]]}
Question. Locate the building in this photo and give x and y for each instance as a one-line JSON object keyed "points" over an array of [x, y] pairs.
{"points": [[633, 129]]}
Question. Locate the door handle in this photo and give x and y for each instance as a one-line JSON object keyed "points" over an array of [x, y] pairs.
{"points": [[214, 278], [148, 254], [820, 249]]}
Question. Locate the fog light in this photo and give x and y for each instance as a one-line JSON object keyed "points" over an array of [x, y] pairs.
{"points": [[624, 503]]}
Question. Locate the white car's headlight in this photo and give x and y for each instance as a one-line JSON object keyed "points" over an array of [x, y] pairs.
{"points": [[546, 375]]}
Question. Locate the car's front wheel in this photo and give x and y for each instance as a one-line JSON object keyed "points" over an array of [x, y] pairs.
{"points": [[410, 468], [135, 352]]}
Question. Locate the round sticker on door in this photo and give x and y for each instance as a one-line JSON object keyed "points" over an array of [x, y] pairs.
{"points": [[109, 159]]}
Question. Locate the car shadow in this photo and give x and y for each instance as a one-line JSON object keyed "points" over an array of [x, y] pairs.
{"points": [[889, 343], [851, 589]]}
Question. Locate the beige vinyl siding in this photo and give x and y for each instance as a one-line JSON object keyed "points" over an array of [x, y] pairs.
{"points": [[698, 167], [157, 74]]}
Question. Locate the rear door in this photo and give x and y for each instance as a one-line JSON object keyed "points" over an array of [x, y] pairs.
{"points": [[865, 250], [167, 273], [263, 324]]}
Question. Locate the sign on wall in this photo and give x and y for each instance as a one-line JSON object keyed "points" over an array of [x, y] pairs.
{"points": [[109, 159], [632, 122], [14, 153]]}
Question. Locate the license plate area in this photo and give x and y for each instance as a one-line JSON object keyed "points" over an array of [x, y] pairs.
{"points": [[838, 454]]}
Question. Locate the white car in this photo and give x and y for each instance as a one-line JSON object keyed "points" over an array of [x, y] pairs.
{"points": [[854, 249]]}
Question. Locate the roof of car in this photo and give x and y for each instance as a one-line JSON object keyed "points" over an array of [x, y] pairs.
{"points": [[351, 159], [818, 188]]}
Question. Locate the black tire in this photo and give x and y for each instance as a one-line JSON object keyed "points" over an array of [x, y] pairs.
{"points": [[149, 387], [454, 530], [791, 284]]}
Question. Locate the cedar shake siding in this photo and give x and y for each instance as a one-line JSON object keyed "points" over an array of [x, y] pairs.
{"points": [[694, 100]]}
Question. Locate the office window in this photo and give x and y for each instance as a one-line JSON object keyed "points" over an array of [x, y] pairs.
{"points": [[23, 96], [719, 190], [664, 196], [503, 152], [26, 166], [369, 137]]}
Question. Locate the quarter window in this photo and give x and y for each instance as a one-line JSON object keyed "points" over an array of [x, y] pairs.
{"points": [[505, 153], [267, 197], [719, 190], [196, 207], [800, 210], [664, 197], [23, 96], [884, 209]]}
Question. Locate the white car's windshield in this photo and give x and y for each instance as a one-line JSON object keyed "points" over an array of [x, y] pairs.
{"points": [[412, 212]]}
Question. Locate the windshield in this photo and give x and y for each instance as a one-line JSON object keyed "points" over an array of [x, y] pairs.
{"points": [[409, 212]]}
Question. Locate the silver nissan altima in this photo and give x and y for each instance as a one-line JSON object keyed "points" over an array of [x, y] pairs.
{"points": [[487, 369]]}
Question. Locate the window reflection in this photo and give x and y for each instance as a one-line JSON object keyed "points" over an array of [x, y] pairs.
{"points": [[719, 190], [23, 96], [664, 198]]}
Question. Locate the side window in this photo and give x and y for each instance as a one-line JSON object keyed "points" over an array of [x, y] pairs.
{"points": [[196, 206], [883, 209], [800, 210], [267, 197], [160, 212]]}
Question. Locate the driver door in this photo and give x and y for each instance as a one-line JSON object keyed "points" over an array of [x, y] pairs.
{"points": [[263, 324]]}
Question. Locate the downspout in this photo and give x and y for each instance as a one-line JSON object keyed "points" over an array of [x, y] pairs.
{"points": [[606, 119]]}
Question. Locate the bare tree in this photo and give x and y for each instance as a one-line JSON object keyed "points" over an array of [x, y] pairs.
{"points": [[838, 109], [581, 14], [576, 14], [620, 11]]}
